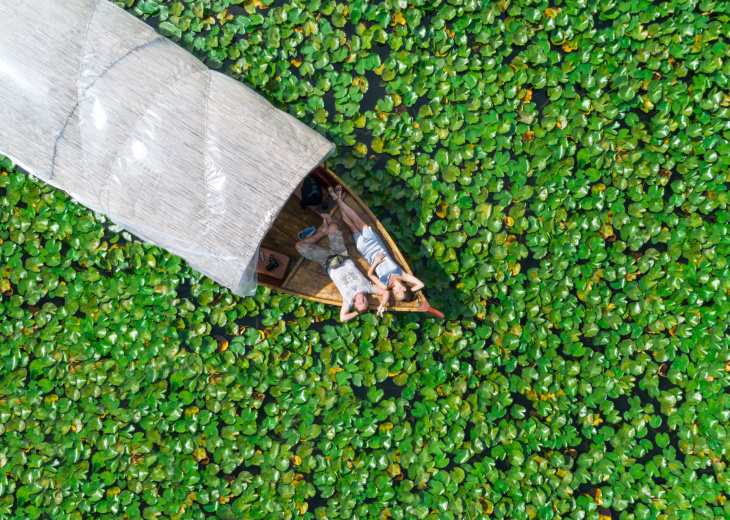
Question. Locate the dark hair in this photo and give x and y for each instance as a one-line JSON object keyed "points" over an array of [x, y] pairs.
{"points": [[409, 294]]}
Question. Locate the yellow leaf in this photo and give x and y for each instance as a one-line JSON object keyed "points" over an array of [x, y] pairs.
{"points": [[515, 269], [295, 62], [222, 343], [550, 12], [570, 46], [508, 221], [394, 470], [200, 454], [606, 230], [697, 47], [528, 136], [441, 210], [224, 16], [528, 96], [295, 459], [252, 5], [310, 27], [487, 506], [360, 83], [398, 19], [303, 508]]}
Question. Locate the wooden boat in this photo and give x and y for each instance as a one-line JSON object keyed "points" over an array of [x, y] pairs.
{"points": [[307, 279]]}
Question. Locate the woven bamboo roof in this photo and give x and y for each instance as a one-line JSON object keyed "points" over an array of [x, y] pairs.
{"points": [[98, 104]]}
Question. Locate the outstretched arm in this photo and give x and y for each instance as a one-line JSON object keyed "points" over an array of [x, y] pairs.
{"points": [[346, 316], [417, 284], [383, 301]]}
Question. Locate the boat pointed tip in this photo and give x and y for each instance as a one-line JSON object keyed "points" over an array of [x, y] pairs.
{"points": [[425, 307]]}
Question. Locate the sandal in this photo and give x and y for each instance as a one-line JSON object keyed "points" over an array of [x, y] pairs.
{"points": [[336, 191], [307, 233]]}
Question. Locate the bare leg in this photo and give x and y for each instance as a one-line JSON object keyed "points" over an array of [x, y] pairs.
{"points": [[353, 227], [352, 219], [328, 227]]}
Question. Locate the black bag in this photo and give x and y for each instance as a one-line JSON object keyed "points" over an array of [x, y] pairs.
{"points": [[311, 192]]}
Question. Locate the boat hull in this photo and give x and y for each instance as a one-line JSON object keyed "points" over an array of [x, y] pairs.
{"points": [[307, 279]]}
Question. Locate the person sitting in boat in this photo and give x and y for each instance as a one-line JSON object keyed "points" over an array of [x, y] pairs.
{"points": [[353, 286], [383, 269]]}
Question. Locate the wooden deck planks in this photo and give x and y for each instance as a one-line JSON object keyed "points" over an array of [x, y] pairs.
{"points": [[328, 291], [277, 240], [284, 232]]}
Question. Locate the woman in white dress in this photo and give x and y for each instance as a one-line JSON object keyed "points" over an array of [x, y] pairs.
{"points": [[383, 270]]}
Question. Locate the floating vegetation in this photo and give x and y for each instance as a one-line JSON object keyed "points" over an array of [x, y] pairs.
{"points": [[557, 174]]}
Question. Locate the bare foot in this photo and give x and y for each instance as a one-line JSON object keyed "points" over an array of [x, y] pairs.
{"points": [[328, 227]]}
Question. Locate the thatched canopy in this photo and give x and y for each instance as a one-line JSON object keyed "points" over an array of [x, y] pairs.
{"points": [[95, 102]]}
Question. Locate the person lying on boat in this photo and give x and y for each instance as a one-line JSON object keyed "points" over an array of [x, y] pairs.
{"points": [[382, 267], [353, 286]]}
